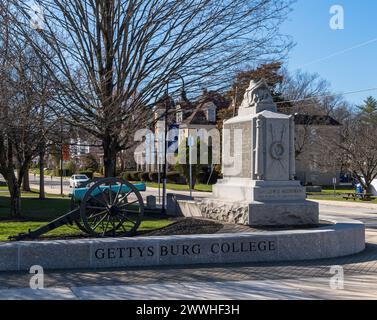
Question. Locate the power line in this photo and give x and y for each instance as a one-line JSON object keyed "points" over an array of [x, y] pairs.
{"points": [[339, 53], [327, 96]]}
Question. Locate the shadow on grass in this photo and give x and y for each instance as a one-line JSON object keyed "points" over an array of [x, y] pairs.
{"points": [[33, 208]]}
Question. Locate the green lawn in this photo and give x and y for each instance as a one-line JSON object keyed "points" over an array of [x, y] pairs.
{"points": [[338, 192], [328, 194], [182, 187], [9, 228], [338, 198], [37, 212]]}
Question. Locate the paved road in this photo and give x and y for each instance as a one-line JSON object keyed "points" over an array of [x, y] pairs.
{"points": [[52, 185], [292, 280]]}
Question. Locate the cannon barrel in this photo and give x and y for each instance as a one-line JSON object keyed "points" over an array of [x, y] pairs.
{"points": [[68, 218]]}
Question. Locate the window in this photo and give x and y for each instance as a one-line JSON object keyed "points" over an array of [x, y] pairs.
{"points": [[179, 116], [211, 115]]}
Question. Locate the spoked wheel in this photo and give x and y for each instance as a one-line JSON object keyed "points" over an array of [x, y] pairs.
{"points": [[112, 207]]}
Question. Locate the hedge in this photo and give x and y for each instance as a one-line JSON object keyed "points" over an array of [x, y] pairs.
{"points": [[131, 175], [66, 173], [173, 177], [135, 175], [153, 176], [125, 176], [203, 177], [143, 176]]}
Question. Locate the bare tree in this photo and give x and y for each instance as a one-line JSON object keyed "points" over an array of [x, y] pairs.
{"points": [[308, 95], [357, 149], [21, 99], [114, 57]]}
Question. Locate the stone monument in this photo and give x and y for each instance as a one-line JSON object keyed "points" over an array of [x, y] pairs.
{"points": [[259, 186]]}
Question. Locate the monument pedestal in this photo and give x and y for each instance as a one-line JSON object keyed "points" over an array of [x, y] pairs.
{"points": [[287, 213], [246, 189], [269, 203]]}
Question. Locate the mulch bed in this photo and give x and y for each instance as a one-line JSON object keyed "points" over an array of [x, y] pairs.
{"points": [[187, 226], [191, 226]]}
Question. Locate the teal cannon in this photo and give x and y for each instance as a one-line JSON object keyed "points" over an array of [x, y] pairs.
{"points": [[110, 207]]}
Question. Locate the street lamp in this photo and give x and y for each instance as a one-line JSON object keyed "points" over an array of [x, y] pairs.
{"points": [[164, 173], [61, 157]]}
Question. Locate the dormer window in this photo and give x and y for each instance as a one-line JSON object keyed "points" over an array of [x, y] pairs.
{"points": [[211, 116], [179, 116]]}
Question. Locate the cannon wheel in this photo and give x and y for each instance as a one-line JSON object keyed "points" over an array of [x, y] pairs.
{"points": [[107, 212], [78, 222]]}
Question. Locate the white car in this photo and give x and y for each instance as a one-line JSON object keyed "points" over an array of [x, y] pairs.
{"points": [[78, 181]]}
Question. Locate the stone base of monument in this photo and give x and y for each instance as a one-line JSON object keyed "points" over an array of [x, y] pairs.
{"points": [[283, 213], [255, 203], [335, 239], [274, 213]]}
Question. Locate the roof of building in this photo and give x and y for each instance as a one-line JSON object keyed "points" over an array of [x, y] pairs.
{"points": [[215, 97], [165, 99], [318, 120], [198, 116], [193, 112], [196, 111]]}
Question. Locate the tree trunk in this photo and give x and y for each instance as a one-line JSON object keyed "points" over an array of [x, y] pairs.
{"points": [[368, 187], [42, 194], [25, 180], [122, 163], [109, 157], [15, 195]]}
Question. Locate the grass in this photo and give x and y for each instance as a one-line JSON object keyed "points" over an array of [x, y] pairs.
{"points": [[182, 187], [339, 198], [11, 228], [328, 195], [37, 213]]}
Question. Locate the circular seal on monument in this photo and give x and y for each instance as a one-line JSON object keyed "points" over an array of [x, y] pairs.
{"points": [[277, 150]]}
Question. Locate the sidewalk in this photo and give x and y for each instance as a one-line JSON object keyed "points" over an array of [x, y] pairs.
{"points": [[348, 204], [355, 287]]}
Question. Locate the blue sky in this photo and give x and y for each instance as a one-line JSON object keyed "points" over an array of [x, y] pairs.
{"points": [[353, 70]]}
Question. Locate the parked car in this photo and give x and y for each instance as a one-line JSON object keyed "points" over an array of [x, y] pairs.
{"points": [[78, 181]]}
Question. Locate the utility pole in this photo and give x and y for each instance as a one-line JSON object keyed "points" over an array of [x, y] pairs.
{"points": [[165, 165], [61, 157], [191, 142]]}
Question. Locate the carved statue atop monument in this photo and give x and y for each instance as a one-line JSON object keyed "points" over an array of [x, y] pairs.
{"points": [[256, 95]]}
